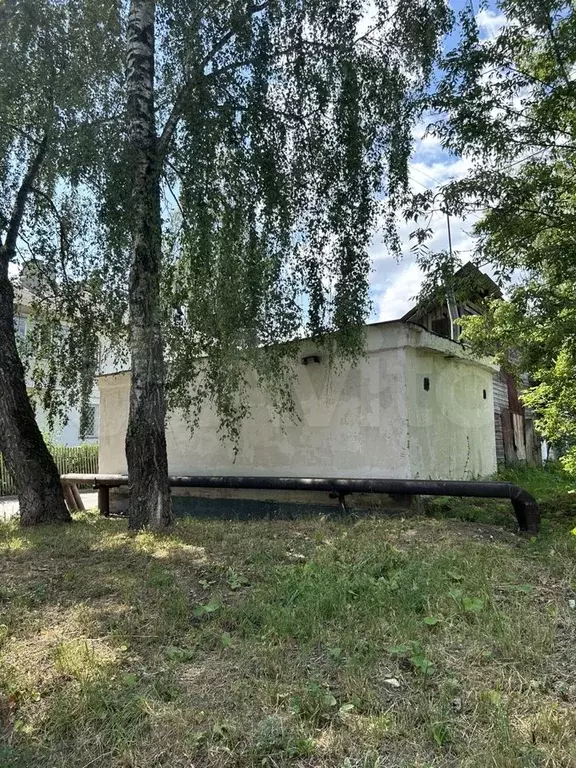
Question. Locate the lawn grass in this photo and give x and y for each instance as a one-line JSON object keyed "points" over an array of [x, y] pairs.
{"points": [[349, 643]]}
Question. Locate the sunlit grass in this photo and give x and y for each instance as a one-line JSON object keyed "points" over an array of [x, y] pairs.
{"points": [[381, 642]]}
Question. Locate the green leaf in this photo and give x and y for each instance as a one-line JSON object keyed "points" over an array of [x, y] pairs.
{"points": [[423, 664], [493, 696], [440, 733], [330, 700], [472, 604], [400, 649], [431, 621], [211, 607], [237, 581], [175, 653]]}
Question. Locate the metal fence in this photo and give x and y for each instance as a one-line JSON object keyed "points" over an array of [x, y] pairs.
{"points": [[78, 458]]}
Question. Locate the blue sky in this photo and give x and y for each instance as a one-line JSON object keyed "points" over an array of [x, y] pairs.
{"points": [[394, 283]]}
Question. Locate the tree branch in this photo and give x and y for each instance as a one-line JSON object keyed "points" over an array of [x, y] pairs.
{"points": [[16, 129], [374, 28], [49, 200], [282, 52], [185, 224], [175, 114], [64, 242], [22, 197], [231, 32], [557, 53]]}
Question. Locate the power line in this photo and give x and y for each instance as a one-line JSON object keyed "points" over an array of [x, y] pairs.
{"points": [[437, 181], [420, 184]]}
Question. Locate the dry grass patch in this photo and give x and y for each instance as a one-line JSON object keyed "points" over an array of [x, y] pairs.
{"points": [[380, 642]]}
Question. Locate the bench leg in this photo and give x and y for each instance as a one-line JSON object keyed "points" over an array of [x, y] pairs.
{"points": [[69, 498], [104, 500], [77, 497]]}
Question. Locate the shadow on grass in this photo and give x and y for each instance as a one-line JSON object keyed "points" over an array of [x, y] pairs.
{"points": [[220, 640]]}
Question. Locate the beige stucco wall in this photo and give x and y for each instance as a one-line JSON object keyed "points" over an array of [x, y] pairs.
{"points": [[364, 421], [114, 402], [451, 426]]}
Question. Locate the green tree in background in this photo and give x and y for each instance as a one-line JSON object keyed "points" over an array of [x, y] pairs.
{"points": [[508, 103], [52, 59]]}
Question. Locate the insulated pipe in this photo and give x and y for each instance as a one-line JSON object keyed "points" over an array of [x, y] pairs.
{"points": [[525, 506]]}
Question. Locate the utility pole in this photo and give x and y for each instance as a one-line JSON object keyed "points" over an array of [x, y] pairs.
{"points": [[450, 298]]}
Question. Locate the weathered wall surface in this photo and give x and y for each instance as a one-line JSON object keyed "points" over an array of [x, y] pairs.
{"points": [[370, 420], [69, 433], [114, 402], [451, 424], [351, 423], [501, 403]]}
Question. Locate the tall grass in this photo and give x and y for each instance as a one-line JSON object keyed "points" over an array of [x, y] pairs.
{"points": [[371, 643]]}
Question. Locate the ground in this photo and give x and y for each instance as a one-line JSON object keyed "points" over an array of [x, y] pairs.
{"points": [[353, 643], [9, 506]]}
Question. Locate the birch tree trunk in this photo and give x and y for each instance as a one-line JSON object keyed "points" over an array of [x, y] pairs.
{"points": [[27, 458], [150, 500]]}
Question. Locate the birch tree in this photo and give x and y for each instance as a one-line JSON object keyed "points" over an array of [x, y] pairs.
{"points": [[258, 145], [47, 60], [277, 125]]}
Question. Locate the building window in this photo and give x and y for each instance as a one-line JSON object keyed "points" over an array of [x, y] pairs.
{"points": [[20, 326], [91, 422]]}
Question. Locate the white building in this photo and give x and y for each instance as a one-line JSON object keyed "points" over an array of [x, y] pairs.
{"points": [[68, 431], [415, 406]]}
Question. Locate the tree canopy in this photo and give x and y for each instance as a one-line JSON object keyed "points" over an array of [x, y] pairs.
{"points": [[54, 82], [508, 104], [60, 70], [284, 132]]}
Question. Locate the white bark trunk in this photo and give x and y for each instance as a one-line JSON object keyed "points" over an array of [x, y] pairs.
{"points": [[150, 501]]}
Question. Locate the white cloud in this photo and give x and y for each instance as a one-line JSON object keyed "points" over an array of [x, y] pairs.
{"points": [[379, 250], [426, 143], [433, 174], [396, 284], [397, 298], [490, 22], [367, 20]]}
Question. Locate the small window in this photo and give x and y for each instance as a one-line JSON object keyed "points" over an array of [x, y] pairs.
{"points": [[484, 395], [426, 383], [91, 422]]}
